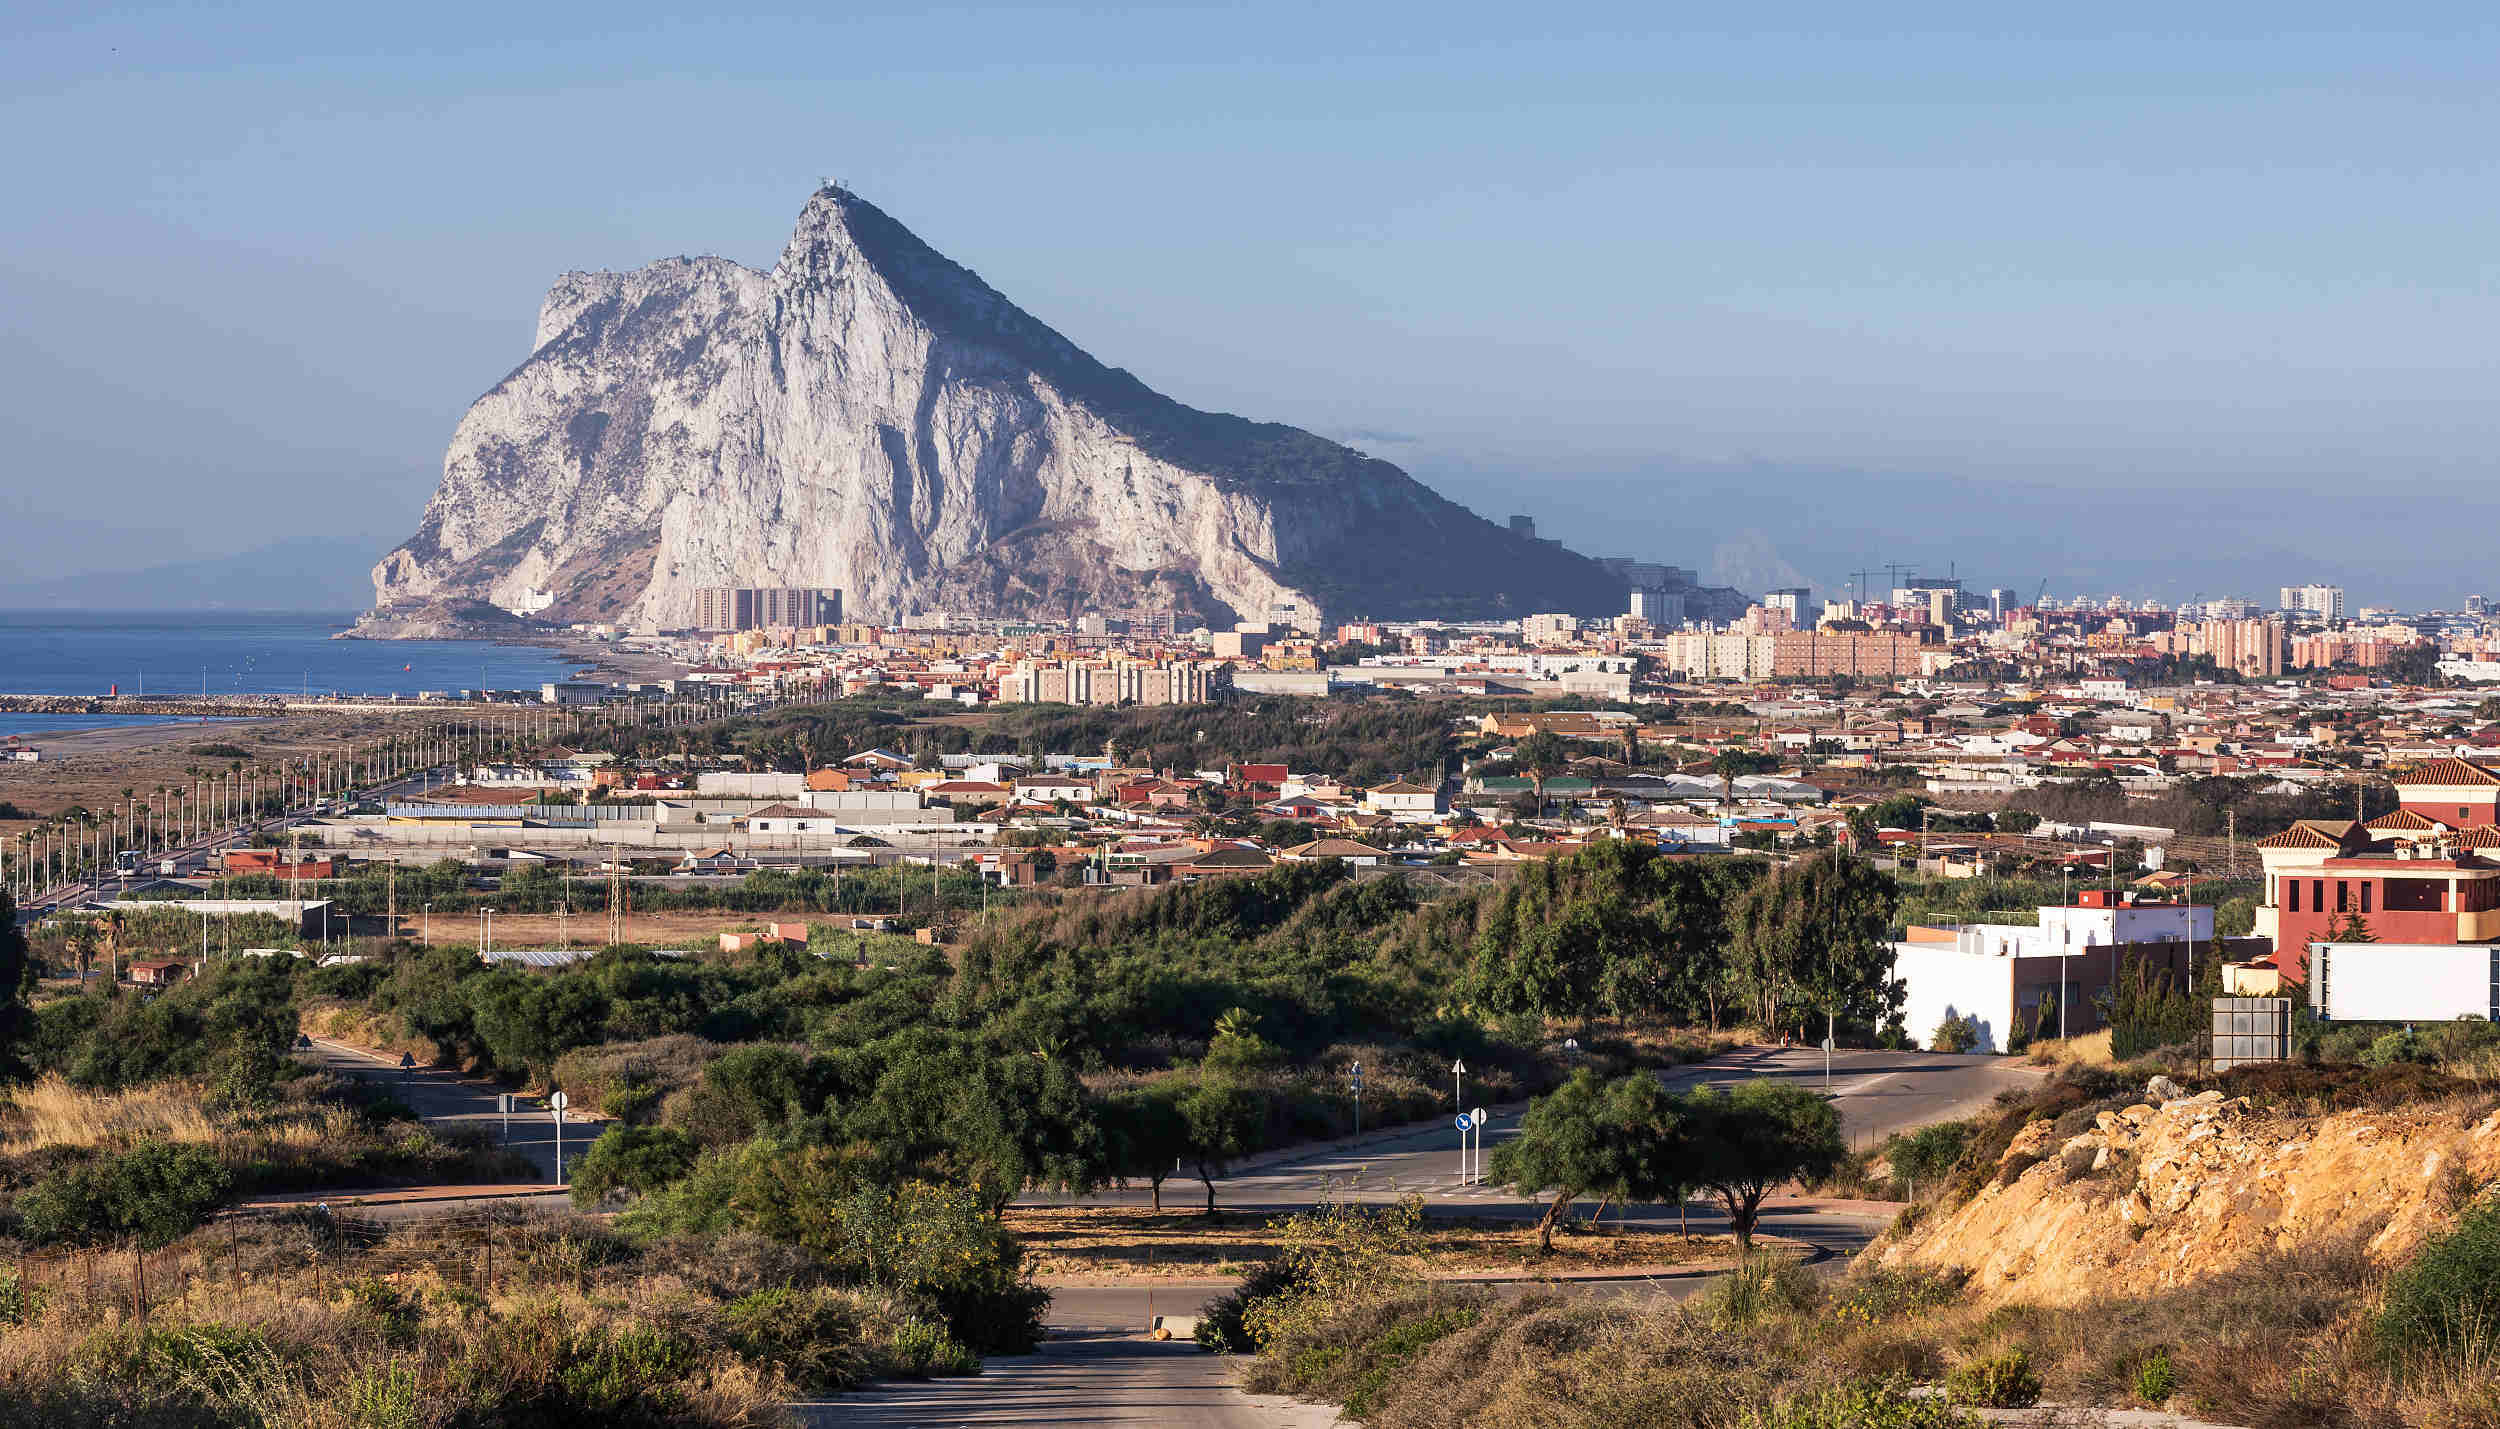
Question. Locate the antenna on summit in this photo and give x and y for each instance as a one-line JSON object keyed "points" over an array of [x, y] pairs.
{"points": [[830, 182]]}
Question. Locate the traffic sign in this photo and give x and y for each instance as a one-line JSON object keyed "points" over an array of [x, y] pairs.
{"points": [[1466, 1122], [558, 1101], [1458, 1069], [1481, 1118], [1827, 1044]]}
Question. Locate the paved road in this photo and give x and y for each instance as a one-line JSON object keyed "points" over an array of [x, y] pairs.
{"points": [[447, 1099], [1079, 1377], [1878, 1093]]}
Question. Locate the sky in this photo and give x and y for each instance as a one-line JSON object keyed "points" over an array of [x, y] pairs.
{"points": [[2109, 300]]}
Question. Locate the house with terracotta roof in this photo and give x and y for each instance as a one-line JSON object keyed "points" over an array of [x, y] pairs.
{"points": [[2425, 875], [1403, 801], [1359, 854]]}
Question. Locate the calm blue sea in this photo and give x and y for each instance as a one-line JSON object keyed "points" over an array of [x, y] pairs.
{"points": [[57, 653]]}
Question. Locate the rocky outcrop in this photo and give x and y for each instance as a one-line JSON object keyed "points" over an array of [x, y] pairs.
{"points": [[871, 417], [2161, 1193]]}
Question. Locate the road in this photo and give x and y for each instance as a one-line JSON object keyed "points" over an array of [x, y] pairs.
{"points": [[1098, 1369], [446, 1099], [194, 857], [1877, 1093]]}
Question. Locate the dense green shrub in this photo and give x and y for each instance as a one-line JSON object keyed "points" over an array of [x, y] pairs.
{"points": [[152, 1193], [631, 1160], [814, 1335], [2005, 1381], [2156, 1379], [1879, 1404], [1221, 1321], [2446, 1303]]}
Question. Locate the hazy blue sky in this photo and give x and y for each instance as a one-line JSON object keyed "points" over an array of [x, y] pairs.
{"points": [[2052, 302]]}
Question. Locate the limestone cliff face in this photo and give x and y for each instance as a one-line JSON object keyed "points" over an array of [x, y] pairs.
{"points": [[870, 416], [2151, 1197]]}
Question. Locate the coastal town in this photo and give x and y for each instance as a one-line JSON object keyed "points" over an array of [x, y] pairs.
{"points": [[2267, 785]]}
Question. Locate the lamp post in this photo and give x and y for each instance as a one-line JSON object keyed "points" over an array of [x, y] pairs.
{"points": [[425, 927]]}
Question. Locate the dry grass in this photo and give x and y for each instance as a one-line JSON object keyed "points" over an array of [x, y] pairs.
{"points": [[2089, 1050], [52, 1113], [1077, 1242], [310, 1135], [311, 1325]]}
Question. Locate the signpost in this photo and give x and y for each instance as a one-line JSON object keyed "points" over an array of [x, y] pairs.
{"points": [[1481, 1120], [1466, 1124], [503, 1107], [1827, 1066], [556, 1103]]}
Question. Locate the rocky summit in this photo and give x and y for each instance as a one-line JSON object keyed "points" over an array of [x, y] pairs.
{"points": [[872, 417]]}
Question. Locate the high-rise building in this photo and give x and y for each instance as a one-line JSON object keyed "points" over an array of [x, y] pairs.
{"points": [[1549, 629], [2323, 601], [724, 608], [1663, 609], [1797, 601], [728, 608]]}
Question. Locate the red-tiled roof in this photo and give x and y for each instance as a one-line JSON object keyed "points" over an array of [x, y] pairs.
{"points": [[2300, 836], [2449, 772]]}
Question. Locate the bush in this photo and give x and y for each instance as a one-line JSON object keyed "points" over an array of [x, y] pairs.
{"points": [[153, 1193], [1221, 1321], [1883, 1404], [631, 1160], [2446, 1304], [1875, 1294], [1955, 1034], [2005, 1381], [920, 1348], [1765, 1283], [1927, 1155], [815, 1336], [2156, 1380]]}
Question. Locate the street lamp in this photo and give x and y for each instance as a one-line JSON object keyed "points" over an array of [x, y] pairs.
{"points": [[425, 926], [489, 945]]}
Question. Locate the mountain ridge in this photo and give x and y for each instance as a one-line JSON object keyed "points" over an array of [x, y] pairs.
{"points": [[871, 416]]}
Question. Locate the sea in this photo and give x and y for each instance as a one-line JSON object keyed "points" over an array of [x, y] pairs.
{"points": [[54, 652]]}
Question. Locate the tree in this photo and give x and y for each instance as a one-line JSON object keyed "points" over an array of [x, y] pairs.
{"points": [[1621, 1140], [1733, 764], [2353, 929], [17, 979], [1146, 1134], [1755, 1138], [1540, 756], [1566, 1145], [1223, 1115], [1813, 937]]}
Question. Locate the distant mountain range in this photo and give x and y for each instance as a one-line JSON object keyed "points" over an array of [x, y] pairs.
{"points": [[872, 417], [298, 574]]}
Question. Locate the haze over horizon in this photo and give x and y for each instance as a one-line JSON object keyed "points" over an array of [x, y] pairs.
{"points": [[2154, 310]]}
